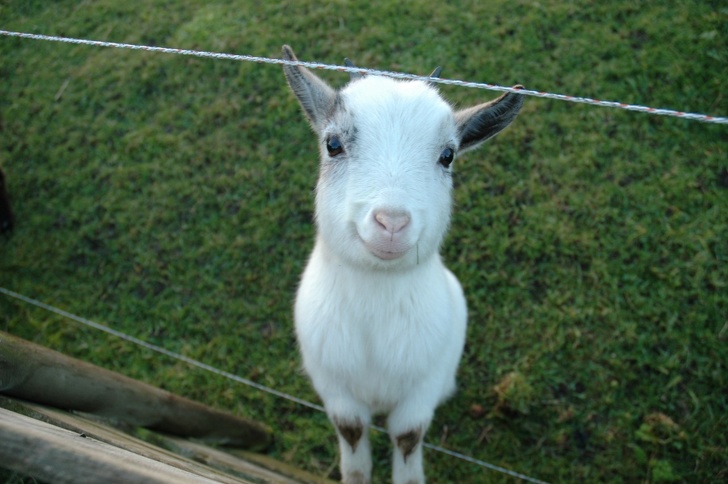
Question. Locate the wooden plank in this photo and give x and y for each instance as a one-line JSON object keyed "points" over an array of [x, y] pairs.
{"points": [[279, 467], [32, 372], [103, 432], [223, 460], [193, 457], [57, 455]]}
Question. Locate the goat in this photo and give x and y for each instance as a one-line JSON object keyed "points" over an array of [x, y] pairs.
{"points": [[6, 214], [379, 319]]}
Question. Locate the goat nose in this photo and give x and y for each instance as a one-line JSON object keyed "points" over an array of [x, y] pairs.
{"points": [[392, 222]]}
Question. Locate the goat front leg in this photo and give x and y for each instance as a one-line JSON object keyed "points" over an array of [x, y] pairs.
{"points": [[356, 461], [351, 420], [407, 426], [407, 465]]}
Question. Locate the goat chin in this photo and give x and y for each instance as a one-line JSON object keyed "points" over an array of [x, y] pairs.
{"points": [[380, 320]]}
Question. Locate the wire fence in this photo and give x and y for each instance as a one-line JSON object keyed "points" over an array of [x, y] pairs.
{"points": [[241, 380], [397, 75]]}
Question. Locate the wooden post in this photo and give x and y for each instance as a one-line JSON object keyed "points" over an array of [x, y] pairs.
{"points": [[32, 372]]}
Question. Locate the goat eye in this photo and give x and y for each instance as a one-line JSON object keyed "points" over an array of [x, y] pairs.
{"points": [[334, 146], [446, 157]]}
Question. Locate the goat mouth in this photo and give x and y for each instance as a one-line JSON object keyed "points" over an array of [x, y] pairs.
{"points": [[384, 251], [384, 254]]}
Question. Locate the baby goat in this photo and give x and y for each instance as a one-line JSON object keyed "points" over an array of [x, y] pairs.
{"points": [[379, 318]]}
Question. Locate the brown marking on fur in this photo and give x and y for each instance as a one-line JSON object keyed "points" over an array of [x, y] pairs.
{"points": [[408, 441], [351, 432], [356, 477]]}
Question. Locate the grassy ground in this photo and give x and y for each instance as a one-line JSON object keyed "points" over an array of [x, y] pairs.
{"points": [[170, 198]]}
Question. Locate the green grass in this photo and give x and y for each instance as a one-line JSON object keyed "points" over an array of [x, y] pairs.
{"points": [[171, 198]]}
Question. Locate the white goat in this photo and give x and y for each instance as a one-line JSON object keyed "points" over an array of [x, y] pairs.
{"points": [[379, 319]]}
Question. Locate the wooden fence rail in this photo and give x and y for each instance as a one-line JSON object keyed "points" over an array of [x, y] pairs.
{"points": [[32, 372]]}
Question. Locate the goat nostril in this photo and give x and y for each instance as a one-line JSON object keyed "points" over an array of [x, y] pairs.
{"points": [[392, 222]]}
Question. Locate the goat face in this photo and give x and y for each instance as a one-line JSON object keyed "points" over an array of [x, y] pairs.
{"points": [[383, 197]]}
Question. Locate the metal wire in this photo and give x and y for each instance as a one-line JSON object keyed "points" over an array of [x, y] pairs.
{"points": [[398, 75], [244, 381]]}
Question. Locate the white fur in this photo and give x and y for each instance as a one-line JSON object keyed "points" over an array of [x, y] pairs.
{"points": [[380, 320]]}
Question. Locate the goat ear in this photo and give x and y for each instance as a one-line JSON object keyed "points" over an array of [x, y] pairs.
{"points": [[352, 75], [316, 97], [435, 74], [478, 124]]}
